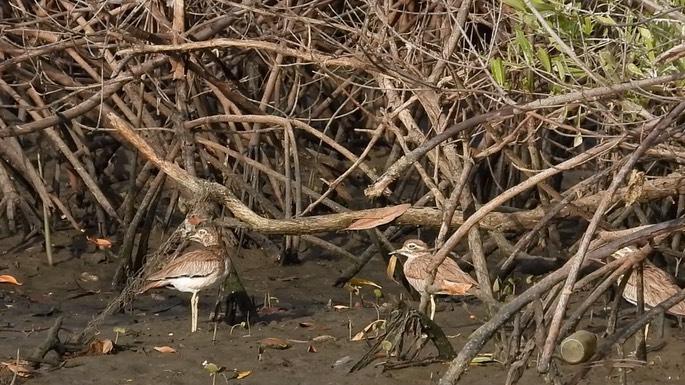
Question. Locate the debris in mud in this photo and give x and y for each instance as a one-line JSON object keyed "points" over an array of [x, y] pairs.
{"points": [[9, 279], [165, 349], [405, 328]]}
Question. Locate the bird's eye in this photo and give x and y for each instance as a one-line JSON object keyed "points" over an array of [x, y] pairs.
{"points": [[411, 246]]}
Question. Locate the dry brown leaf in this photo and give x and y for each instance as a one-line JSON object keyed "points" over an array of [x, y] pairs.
{"points": [[635, 187], [378, 217], [21, 368], [9, 279], [390, 271], [312, 349], [354, 281], [107, 346], [324, 338], [100, 242], [274, 343], [244, 374], [101, 347], [373, 326], [165, 349]]}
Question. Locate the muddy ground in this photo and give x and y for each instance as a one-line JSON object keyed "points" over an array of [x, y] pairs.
{"points": [[302, 293]]}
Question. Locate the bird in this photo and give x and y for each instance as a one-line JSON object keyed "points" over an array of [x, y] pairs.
{"points": [[450, 278], [658, 285], [195, 270]]}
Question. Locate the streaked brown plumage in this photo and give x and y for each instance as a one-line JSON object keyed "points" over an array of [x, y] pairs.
{"points": [[450, 278], [658, 285], [195, 270]]}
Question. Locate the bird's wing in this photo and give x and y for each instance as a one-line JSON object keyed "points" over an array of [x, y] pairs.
{"points": [[196, 263], [658, 287], [454, 280]]}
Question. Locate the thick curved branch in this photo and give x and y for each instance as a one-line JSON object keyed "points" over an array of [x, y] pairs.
{"points": [[415, 216]]}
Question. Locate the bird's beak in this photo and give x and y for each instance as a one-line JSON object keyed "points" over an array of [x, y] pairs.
{"points": [[398, 251]]}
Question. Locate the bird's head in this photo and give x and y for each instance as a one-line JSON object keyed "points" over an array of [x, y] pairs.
{"points": [[412, 248], [208, 236]]}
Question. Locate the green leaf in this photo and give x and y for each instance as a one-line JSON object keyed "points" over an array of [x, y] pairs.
{"points": [[497, 69], [560, 67], [605, 19], [524, 45], [646, 33], [543, 56], [516, 4], [634, 69], [588, 26]]}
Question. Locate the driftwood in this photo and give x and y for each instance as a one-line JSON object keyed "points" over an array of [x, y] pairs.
{"points": [[51, 342]]}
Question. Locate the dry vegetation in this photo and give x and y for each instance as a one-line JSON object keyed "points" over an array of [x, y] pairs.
{"points": [[544, 130]]}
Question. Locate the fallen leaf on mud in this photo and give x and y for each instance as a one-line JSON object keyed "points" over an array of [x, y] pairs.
{"points": [[274, 343], [306, 325], [9, 279], [378, 217], [271, 343], [100, 242], [340, 307], [323, 338], [312, 349], [165, 349], [20, 368], [88, 277], [107, 346], [243, 374], [354, 281], [101, 347], [373, 326], [341, 361], [482, 359]]}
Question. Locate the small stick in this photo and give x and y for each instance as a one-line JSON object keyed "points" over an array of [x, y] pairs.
{"points": [[46, 220]]}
